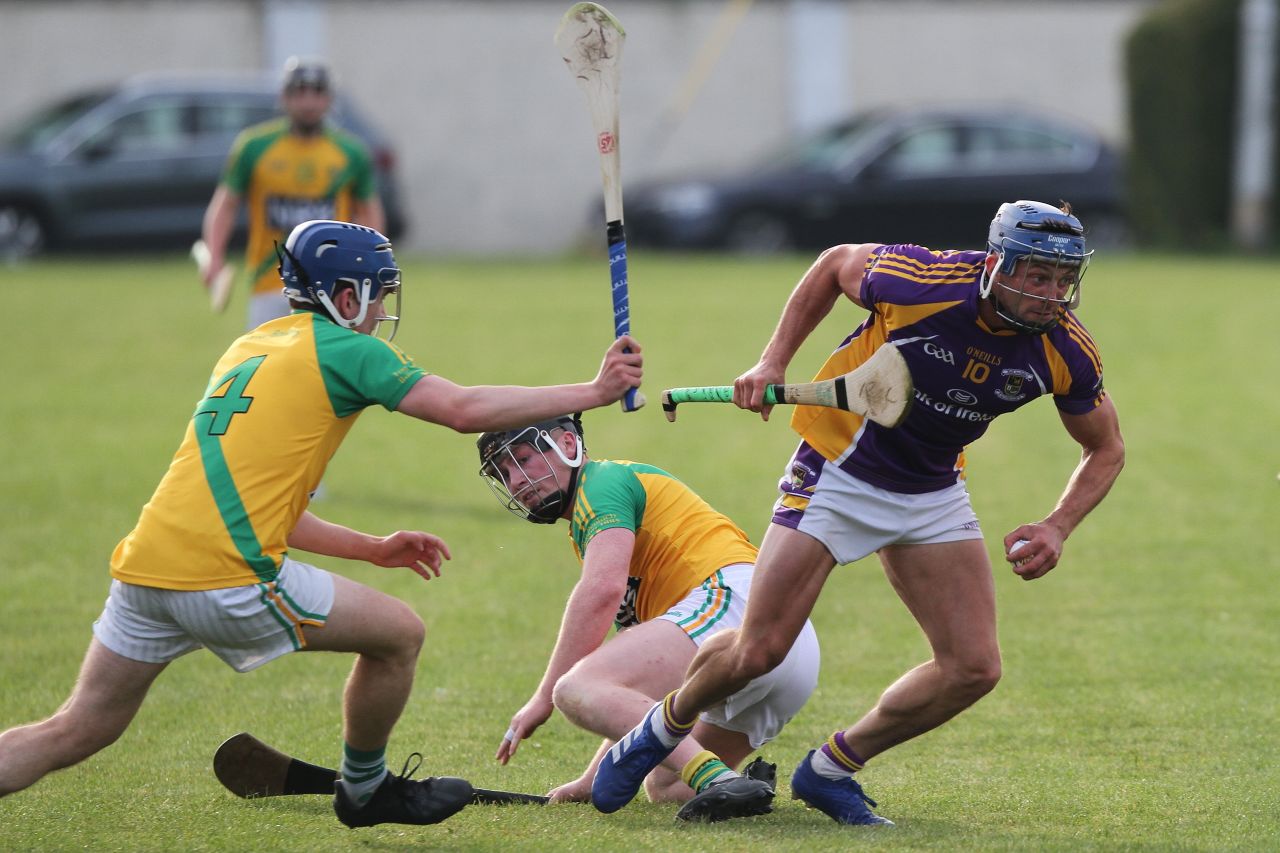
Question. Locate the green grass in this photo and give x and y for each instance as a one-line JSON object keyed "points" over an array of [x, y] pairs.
{"points": [[1139, 708]]}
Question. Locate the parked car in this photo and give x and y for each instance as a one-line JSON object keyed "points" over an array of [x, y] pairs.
{"points": [[134, 165], [928, 176]]}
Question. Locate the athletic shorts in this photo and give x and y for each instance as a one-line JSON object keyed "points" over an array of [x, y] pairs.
{"points": [[763, 707], [267, 306], [246, 626], [853, 518]]}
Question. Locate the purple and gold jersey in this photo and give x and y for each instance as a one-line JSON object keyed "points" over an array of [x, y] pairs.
{"points": [[287, 179], [965, 375], [680, 540], [279, 403]]}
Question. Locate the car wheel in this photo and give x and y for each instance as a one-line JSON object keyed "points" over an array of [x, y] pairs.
{"points": [[22, 234], [758, 233]]}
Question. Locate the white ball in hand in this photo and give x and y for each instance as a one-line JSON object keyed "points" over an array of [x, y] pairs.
{"points": [[1013, 549]]}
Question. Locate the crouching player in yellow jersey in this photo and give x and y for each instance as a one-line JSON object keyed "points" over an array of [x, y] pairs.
{"points": [[208, 563], [670, 572]]}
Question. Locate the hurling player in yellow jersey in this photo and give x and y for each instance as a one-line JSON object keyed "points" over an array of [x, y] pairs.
{"points": [[289, 170], [208, 563], [670, 572]]}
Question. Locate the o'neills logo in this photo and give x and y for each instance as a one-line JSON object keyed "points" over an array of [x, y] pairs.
{"points": [[608, 142]]}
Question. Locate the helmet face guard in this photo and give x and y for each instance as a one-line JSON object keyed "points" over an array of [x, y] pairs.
{"points": [[521, 475], [1039, 261], [321, 255]]}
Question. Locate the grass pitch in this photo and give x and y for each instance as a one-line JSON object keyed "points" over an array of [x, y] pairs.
{"points": [[1139, 708]]}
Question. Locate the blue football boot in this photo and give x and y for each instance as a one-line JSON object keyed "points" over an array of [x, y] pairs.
{"points": [[842, 800], [624, 766]]}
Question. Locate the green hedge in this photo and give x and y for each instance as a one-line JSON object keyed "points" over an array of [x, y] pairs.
{"points": [[1182, 67]]}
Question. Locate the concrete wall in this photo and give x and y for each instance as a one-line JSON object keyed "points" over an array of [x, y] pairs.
{"points": [[495, 148]]}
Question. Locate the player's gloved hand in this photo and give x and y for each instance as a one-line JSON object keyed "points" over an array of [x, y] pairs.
{"points": [[410, 549], [749, 388], [621, 370], [526, 721]]}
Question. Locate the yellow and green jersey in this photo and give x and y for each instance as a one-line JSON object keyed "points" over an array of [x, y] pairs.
{"points": [[680, 540], [279, 403], [286, 179]]}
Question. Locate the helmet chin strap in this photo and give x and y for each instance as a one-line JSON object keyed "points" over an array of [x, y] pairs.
{"points": [[989, 275], [337, 315]]}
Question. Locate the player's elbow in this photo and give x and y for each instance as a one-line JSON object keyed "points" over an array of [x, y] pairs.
{"points": [[752, 660]]}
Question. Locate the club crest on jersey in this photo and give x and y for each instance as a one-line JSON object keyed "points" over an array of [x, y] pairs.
{"points": [[607, 142], [800, 474], [626, 615], [1014, 380]]}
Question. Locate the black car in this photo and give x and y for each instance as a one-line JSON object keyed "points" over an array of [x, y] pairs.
{"points": [[134, 165], [929, 176]]}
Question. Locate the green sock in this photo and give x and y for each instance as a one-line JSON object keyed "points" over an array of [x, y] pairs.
{"points": [[703, 769], [362, 772]]}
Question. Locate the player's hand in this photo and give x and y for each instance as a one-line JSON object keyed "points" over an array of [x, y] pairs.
{"points": [[749, 388], [621, 370], [577, 791], [1039, 554], [209, 273], [411, 549], [526, 721]]}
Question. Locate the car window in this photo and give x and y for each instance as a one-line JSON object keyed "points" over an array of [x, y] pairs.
{"points": [[1015, 146], [150, 129], [928, 150], [33, 132], [831, 149], [229, 117]]}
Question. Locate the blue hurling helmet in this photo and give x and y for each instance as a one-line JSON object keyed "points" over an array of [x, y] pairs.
{"points": [[1033, 230], [322, 254]]}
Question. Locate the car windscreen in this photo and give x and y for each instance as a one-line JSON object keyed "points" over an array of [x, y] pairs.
{"points": [[37, 129], [830, 149]]}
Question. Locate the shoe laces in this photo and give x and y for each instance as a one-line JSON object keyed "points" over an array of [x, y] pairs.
{"points": [[406, 771], [857, 789]]}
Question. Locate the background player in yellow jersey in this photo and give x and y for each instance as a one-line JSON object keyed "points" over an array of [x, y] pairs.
{"points": [[289, 170], [208, 563], [670, 572]]}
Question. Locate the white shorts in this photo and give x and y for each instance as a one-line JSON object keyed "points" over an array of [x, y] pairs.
{"points": [[246, 626], [853, 518], [265, 307], [763, 707]]}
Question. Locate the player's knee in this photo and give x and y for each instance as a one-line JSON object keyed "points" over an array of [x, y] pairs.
{"points": [[407, 632], [573, 693], [975, 677], [566, 695]]}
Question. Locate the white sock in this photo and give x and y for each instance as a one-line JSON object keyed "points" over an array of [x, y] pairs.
{"points": [[361, 773], [826, 768]]}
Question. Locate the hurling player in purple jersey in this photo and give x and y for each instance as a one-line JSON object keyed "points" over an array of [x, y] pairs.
{"points": [[983, 333]]}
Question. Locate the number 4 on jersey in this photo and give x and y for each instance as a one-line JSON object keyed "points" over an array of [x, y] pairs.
{"points": [[230, 402]]}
